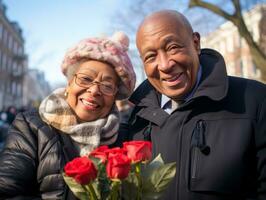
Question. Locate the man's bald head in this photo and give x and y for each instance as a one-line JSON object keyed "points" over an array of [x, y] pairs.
{"points": [[166, 16]]}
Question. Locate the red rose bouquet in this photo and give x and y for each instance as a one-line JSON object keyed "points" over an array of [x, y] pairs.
{"points": [[119, 173]]}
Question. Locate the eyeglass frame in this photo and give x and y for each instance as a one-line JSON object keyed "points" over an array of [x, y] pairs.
{"points": [[99, 84]]}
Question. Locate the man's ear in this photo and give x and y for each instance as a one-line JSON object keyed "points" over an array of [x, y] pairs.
{"points": [[196, 40]]}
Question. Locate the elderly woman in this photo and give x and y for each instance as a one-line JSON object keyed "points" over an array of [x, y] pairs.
{"points": [[70, 122]]}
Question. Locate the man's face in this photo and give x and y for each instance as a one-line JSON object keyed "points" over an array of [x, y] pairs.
{"points": [[170, 55]]}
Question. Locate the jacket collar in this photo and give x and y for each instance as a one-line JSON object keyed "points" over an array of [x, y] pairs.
{"points": [[214, 80], [146, 95]]}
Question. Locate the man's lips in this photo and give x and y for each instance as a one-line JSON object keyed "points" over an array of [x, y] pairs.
{"points": [[173, 80]]}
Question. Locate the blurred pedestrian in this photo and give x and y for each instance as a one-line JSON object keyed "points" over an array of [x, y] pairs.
{"points": [[3, 127], [11, 114]]}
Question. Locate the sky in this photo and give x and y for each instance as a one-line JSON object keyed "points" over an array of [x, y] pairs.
{"points": [[50, 27]]}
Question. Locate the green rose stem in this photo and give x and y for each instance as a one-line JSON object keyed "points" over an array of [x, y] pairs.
{"points": [[92, 193], [138, 174], [115, 189]]}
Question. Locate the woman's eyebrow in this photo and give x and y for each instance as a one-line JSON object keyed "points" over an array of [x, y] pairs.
{"points": [[108, 78], [88, 70]]}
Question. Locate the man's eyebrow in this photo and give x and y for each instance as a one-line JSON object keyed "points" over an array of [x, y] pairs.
{"points": [[146, 49], [169, 39], [165, 41]]}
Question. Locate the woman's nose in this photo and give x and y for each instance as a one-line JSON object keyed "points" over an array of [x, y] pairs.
{"points": [[94, 89]]}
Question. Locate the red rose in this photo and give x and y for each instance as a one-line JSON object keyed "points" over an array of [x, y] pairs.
{"points": [[81, 169], [115, 150], [101, 153], [138, 150], [118, 166]]}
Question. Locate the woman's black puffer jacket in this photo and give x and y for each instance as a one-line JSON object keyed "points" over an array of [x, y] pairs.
{"points": [[32, 160]]}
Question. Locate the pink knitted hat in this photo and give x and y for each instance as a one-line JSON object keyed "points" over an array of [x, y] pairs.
{"points": [[111, 50]]}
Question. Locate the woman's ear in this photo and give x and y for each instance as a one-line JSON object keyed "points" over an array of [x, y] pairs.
{"points": [[67, 88], [66, 93], [196, 40], [70, 81]]}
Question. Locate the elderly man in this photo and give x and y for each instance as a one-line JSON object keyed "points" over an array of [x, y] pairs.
{"points": [[211, 124]]}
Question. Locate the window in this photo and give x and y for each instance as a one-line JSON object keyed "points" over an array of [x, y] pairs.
{"points": [[1, 31], [7, 64], [5, 37], [1, 67], [230, 44], [20, 51], [241, 67], [4, 61], [19, 91], [19, 70], [14, 88], [231, 68], [238, 40], [2, 85], [15, 47], [222, 47], [14, 68], [10, 43]]}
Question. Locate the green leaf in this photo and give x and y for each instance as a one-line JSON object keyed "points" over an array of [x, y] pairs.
{"points": [[163, 175], [156, 177], [96, 161], [148, 170], [158, 161], [103, 187], [95, 185], [76, 188], [129, 187]]}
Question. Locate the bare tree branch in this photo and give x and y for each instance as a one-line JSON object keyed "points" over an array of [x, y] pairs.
{"points": [[259, 58], [212, 7]]}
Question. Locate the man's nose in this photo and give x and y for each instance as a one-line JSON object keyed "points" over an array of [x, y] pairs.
{"points": [[164, 63]]}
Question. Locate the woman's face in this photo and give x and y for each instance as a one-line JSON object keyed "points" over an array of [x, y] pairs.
{"points": [[92, 91]]}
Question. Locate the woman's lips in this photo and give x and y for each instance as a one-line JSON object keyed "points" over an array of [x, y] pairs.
{"points": [[174, 80], [89, 104]]}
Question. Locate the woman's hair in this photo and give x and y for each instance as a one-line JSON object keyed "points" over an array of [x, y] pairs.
{"points": [[72, 68]]}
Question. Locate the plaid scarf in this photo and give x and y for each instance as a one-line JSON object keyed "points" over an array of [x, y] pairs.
{"points": [[55, 111]]}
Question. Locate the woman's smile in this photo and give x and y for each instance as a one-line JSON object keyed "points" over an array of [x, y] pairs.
{"points": [[89, 104]]}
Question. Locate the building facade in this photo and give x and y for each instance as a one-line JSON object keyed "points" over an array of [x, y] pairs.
{"points": [[35, 88], [13, 62], [234, 48]]}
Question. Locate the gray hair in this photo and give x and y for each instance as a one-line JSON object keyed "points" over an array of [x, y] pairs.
{"points": [[71, 69]]}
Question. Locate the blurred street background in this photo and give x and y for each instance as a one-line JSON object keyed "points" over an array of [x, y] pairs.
{"points": [[34, 36]]}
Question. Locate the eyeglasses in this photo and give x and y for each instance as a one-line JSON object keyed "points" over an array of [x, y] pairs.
{"points": [[85, 81]]}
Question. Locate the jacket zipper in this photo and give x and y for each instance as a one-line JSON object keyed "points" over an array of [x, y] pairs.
{"points": [[195, 157], [198, 143]]}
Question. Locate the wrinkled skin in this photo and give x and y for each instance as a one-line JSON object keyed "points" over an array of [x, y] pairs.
{"points": [[90, 103], [169, 50]]}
